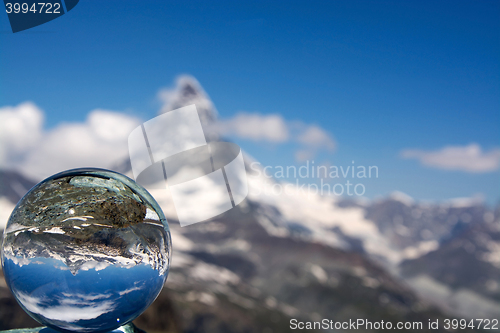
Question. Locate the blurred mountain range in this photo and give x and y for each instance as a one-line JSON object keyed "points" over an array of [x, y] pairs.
{"points": [[277, 257]]}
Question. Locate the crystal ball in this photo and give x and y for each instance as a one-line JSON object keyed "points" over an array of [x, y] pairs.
{"points": [[86, 250]]}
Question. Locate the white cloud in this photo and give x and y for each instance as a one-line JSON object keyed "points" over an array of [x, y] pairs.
{"points": [[20, 131], [313, 139], [69, 310], [314, 136], [302, 155], [274, 128], [470, 158], [256, 127], [100, 141]]}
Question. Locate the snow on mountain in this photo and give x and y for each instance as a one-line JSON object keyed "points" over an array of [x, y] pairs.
{"points": [[294, 210], [464, 202], [318, 217], [465, 268], [186, 92], [402, 197], [264, 254], [389, 231]]}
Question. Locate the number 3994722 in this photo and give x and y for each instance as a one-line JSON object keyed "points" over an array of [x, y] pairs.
{"points": [[35, 8]]}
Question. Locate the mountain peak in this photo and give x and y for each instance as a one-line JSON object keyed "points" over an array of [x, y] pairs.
{"points": [[188, 91]]}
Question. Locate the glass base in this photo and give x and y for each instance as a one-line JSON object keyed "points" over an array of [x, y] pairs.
{"points": [[129, 328]]}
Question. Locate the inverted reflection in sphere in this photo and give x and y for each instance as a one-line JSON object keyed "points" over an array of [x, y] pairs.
{"points": [[86, 250]]}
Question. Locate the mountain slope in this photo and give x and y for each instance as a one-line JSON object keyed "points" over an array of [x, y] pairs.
{"points": [[296, 254], [232, 263], [13, 186], [465, 269]]}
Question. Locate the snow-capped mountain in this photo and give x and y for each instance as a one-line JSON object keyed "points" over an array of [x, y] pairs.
{"points": [[255, 262], [298, 254], [463, 274]]}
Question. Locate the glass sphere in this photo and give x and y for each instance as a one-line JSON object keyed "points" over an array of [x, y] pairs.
{"points": [[86, 250]]}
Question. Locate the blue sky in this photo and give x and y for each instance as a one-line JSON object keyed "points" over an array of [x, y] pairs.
{"points": [[380, 77]]}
